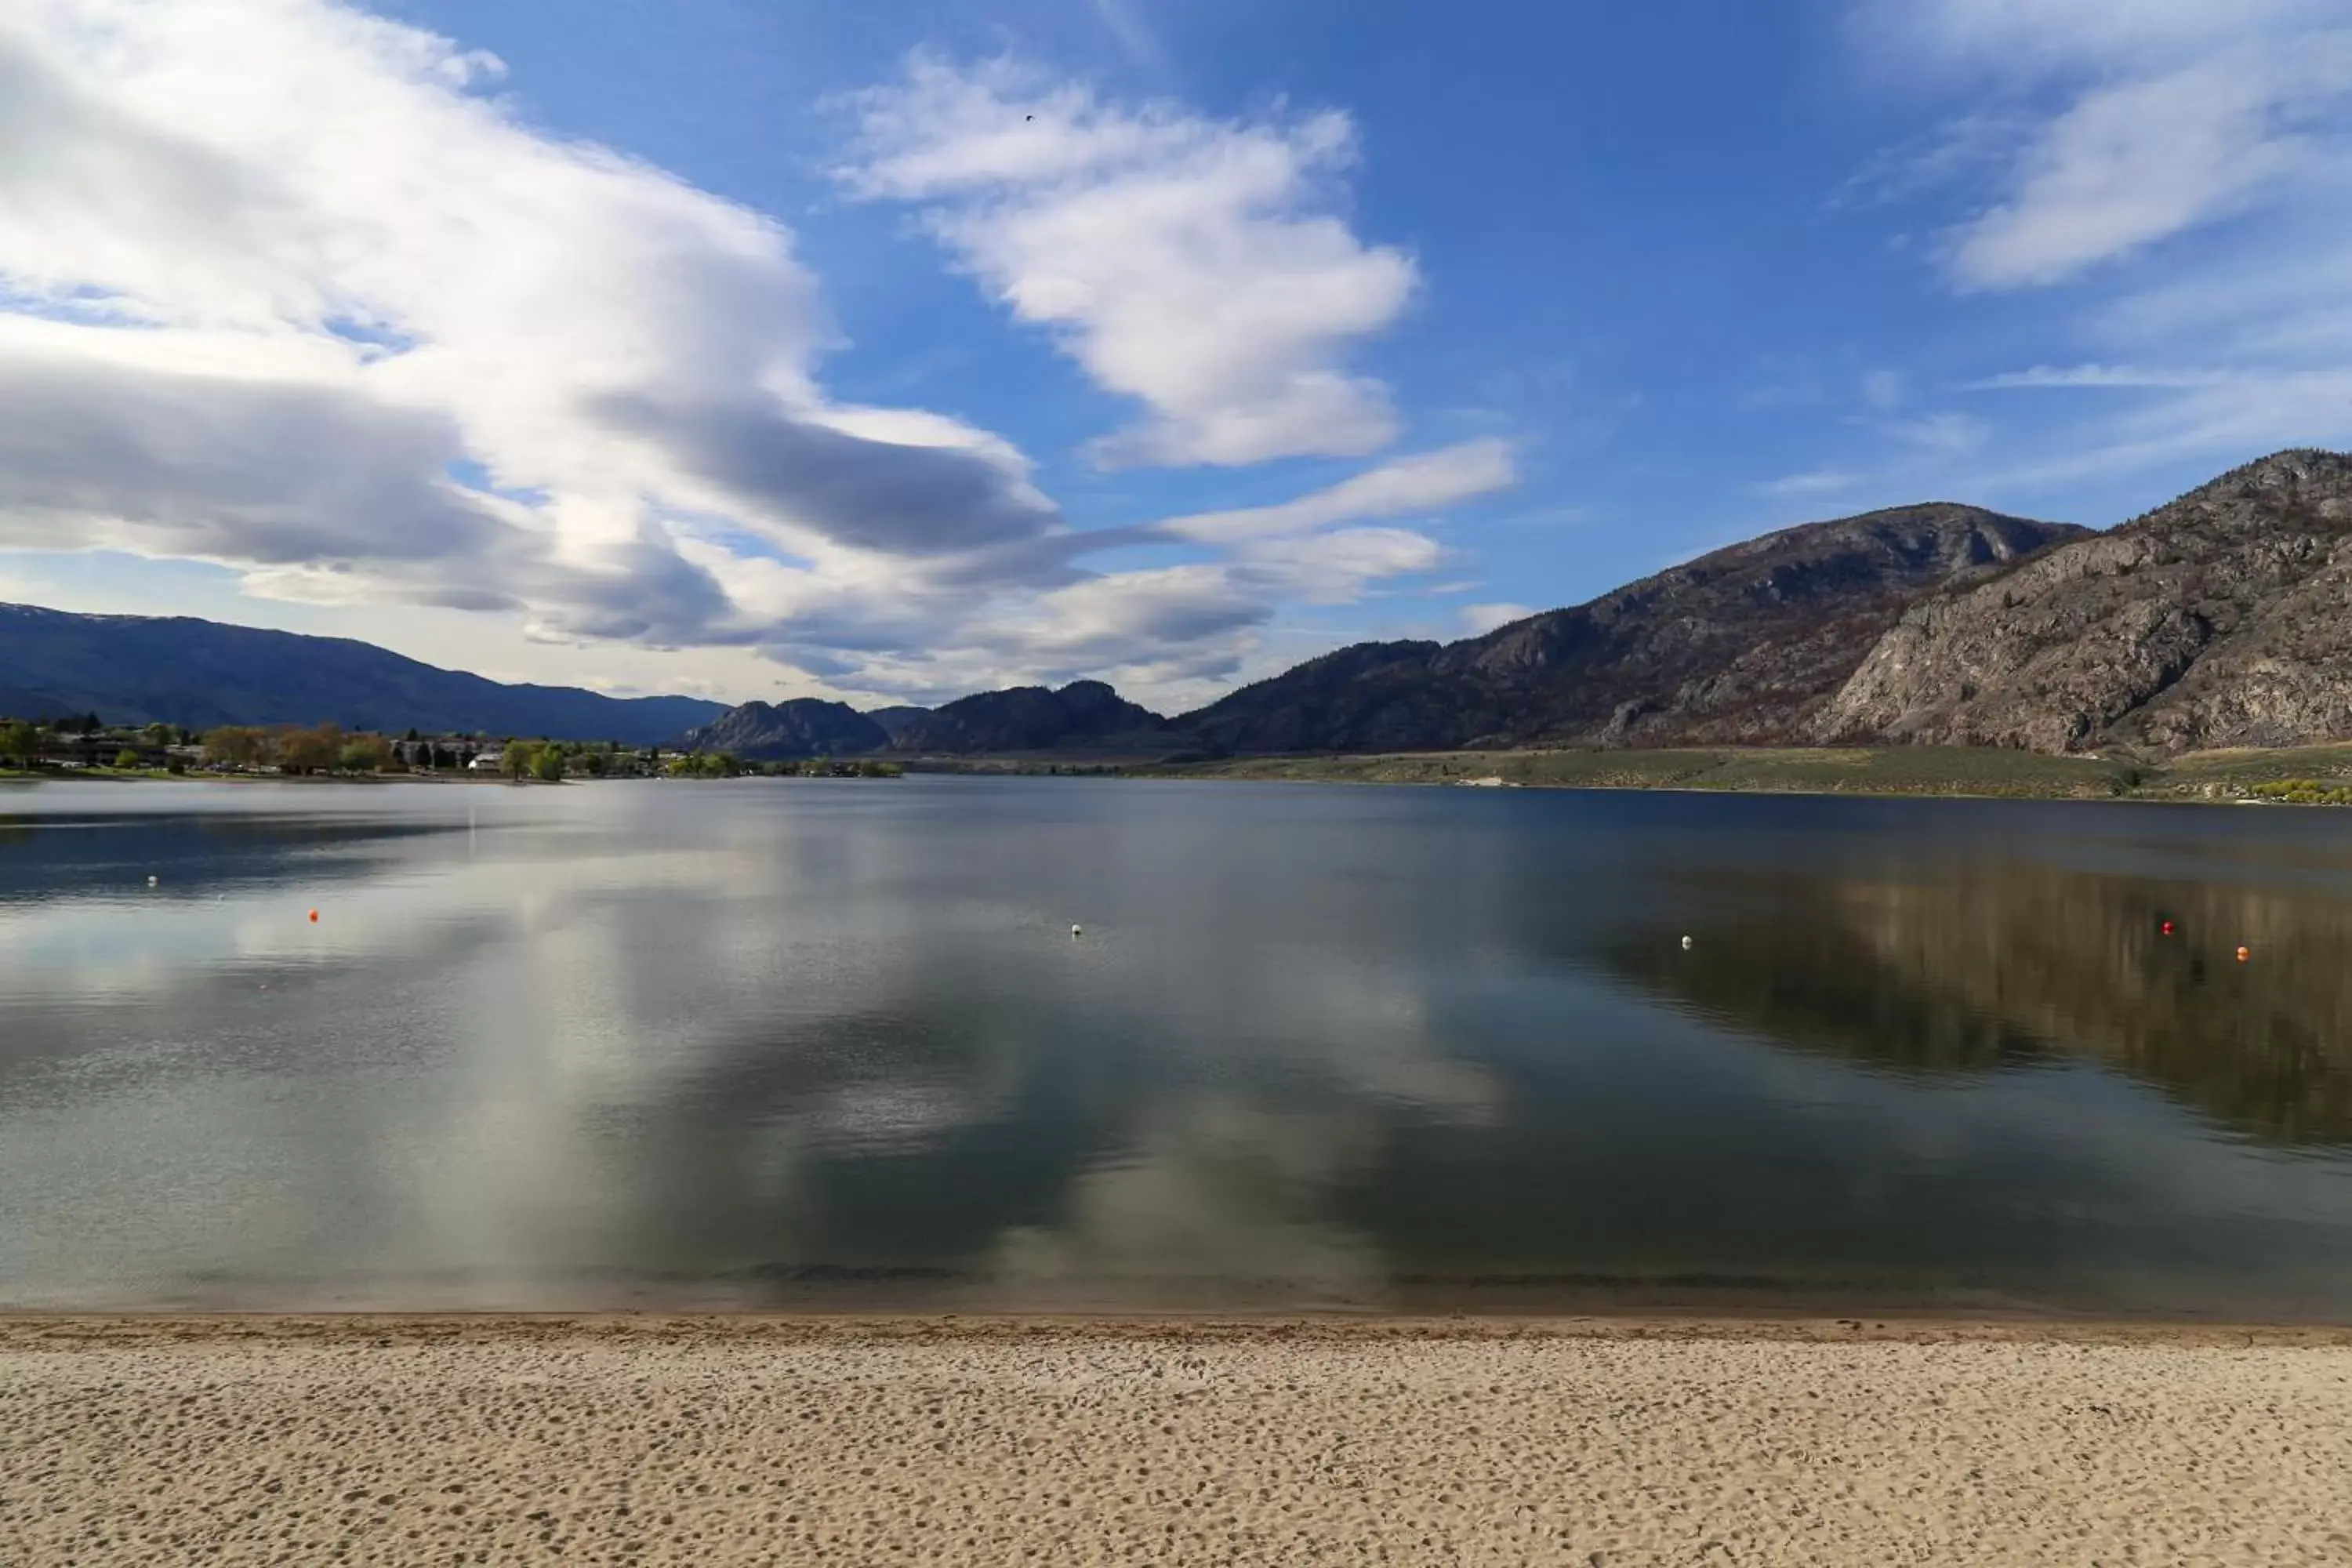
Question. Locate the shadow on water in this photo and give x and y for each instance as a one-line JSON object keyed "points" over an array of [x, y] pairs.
{"points": [[2016, 962]]}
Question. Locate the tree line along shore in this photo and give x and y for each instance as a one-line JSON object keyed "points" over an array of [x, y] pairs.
{"points": [[86, 746]]}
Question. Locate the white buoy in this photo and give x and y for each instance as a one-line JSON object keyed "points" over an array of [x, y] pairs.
{"points": [[1076, 932], [1687, 944], [151, 881]]}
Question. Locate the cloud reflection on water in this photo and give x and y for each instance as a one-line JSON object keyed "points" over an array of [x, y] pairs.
{"points": [[832, 1042]]}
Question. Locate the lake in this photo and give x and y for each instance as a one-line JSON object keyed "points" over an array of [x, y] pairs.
{"points": [[832, 1043]]}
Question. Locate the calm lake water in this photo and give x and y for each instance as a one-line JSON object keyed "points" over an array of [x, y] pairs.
{"points": [[803, 1042]]}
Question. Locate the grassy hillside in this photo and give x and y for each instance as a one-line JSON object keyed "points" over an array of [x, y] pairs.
{"points": [[1882, 770]]}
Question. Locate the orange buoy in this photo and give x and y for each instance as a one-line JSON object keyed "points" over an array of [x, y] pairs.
{"points": [[314, 920], [2244, 953]]}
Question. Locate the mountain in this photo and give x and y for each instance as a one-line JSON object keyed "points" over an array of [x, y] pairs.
{"points": [[803, 727], [1745, 645], [1034, 719], [2218, 620], [141, 670], [895, 720]]}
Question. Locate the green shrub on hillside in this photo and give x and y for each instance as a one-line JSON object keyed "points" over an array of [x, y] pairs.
{"points": [[2302, 791]]}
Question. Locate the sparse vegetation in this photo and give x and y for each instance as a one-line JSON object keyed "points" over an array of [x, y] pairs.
{"points": [[835, 768], [2302, 791], [2318, 775], [1890, 770]]}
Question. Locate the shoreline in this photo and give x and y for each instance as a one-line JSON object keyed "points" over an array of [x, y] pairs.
{"points": [[1586, 1443], [2227, 777], [1880, 1326]]}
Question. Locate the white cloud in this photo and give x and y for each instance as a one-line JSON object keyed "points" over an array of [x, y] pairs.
{"points": [[1422, 482], [281, 288], [1198, 266], [2184, 170], [1339, 567], [1122, 20], [2009, 37], [348, 276], [2139, 162], [2234, 416], [2109, 375], [1812, 482], [1946, 435], [1478, 620]]}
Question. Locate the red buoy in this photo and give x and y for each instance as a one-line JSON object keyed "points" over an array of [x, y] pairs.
{"points": [[314, 917]]}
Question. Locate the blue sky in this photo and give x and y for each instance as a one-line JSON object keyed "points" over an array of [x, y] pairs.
{"points": [[896, 350]]}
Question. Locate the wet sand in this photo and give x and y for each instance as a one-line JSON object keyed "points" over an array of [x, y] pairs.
{"points": [[740, 1440]]}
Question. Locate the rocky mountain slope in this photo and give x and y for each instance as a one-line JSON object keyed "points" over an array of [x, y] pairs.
{"points": [[176, 669], [803, 727], [2222, 619], [1033, 719], [895, 720], [1744, 645]]}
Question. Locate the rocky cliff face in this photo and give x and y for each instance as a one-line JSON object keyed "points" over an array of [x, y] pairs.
{"points": [[1744, 645], [1030, 719], [2222, 619], [803, 727]]}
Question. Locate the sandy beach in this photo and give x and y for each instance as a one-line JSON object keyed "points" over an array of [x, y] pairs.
{"points": [[655, 1441]]}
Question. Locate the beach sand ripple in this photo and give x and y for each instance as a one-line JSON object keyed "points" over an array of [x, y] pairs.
{"points": [[720, 1442]]}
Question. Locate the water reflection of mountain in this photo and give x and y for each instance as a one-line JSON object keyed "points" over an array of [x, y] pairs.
{"points": [[2013, 960]]}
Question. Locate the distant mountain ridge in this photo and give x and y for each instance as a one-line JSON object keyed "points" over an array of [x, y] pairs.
{"points": [[2223, 618], [803, 727], [1034, 719], [2219, 619], [177, 669], [1741, 646]]}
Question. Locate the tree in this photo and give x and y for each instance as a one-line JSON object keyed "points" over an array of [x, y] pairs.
{"points": [[20, 743], [548, 764], [519, 758], [236, 746], [89, 724], [126, 758], [358, 757], [310, 751]]}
